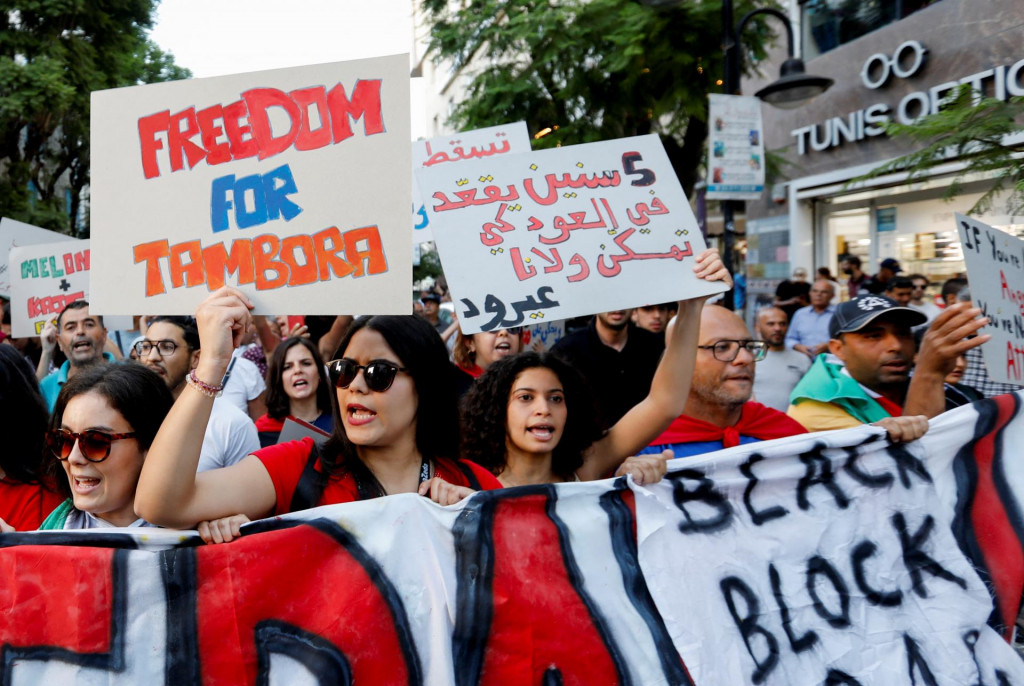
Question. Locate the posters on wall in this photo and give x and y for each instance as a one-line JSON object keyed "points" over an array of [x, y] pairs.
{"points": [[282, 183], [736, 148], [559, 233]]}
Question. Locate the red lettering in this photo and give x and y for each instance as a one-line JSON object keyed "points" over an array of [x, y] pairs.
{"points": [[69, 264], [150, 253], [216, 153], [373, 253], [82, 260], [365, 103], [1014, 361], [308, 138], [179, 140], [259, 100], [1012, 294], [38, 307], [149, 143], [234, 116]]}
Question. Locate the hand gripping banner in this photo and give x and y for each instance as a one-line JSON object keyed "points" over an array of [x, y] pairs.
{"points": [[825, 559]]}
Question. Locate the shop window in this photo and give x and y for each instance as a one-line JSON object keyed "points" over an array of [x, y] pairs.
{"points": [[831, 23]]}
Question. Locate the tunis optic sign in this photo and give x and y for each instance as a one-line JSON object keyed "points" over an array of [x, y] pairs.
{"points": [[880, 69]]}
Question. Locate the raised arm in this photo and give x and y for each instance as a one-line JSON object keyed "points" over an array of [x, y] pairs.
{"points": [[945, 340], [669, 388], [170, 493]]}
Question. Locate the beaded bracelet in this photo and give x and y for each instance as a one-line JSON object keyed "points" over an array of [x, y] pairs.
{"points": [[203, 387]]}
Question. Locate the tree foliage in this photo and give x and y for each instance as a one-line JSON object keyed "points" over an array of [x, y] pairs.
{"points": [[971, 130], [590, 69], [53, 54]]}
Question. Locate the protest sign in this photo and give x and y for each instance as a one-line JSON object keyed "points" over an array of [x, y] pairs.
{"points": [[45, 278], [13, 234], [465, 145], [541, 337], [282, 183], [735, 147], [565, 232], [833, 558], [995, 268]]}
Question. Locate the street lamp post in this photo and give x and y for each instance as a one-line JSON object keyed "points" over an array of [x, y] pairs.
{"points": [[792, 89]]}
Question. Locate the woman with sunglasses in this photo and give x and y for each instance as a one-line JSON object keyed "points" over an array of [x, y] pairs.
{"points": [[102, 426], [297, 387], [395, 431], [530, 418], [27, 495]]}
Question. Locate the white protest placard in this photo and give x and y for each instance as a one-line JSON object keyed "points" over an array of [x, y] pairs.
{"points": [[45, 278], [284, 183], [14, 233], [995, 269], [735, 148], [542, 337], [560, 233], [456, 147]]}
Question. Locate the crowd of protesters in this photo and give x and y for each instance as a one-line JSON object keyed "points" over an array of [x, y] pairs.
{"points": [[184, 422]]}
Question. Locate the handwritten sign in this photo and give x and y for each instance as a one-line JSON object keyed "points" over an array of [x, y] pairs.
{"points": [[542, 337], [45, 278], [820, 559], [995, 269], [456, 147], [283, 183], [560, 233], [736, 147], [13, 234]]}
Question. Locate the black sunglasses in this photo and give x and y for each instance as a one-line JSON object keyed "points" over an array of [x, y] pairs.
{"points": [[379, 375], [95, 445]]}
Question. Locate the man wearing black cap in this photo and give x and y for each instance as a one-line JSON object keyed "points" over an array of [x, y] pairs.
{"points": [[879, 283], [867, 376]]}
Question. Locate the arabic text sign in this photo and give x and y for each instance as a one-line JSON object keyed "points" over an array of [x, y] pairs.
{"points": [[995, 267], [547, 584], [560, 233], [736, 145], [456, 147], [45, 278], [14, 233], [282, 183]]}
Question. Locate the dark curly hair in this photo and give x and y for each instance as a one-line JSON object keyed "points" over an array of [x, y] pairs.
{"points": [[135, 391], [423, 354], [484, 414], [278, 402]]}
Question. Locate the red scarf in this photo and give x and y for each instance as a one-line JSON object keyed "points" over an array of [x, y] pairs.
{"points": [[474, 371], [756, 421]]}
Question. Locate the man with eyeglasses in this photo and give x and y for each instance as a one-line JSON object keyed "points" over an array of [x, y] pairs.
{"points": [[81, 336], [171, 349], [867, 377], [719, 413]]}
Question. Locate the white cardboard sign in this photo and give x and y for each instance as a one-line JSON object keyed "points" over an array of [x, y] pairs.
{"points": [[456, 147], [45, 278], [284, 183], [560, 233], [995, 269], [14, 233]]}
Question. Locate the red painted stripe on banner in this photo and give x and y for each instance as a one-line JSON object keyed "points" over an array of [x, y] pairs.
{"points": [[57, 596], [993, 530]]}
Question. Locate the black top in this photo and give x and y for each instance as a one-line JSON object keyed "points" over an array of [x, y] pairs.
{"points": [[619, 380], [793, 289]]}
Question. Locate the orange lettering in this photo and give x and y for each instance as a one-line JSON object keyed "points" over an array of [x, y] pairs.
{"points": [[189, 273], [150, 253], [373, 253], [264, 248], [299, 274], [327, 258], [219, 263]]}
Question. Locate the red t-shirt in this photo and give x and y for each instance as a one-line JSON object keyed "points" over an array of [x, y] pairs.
{"points": [[286, 461], [25, 506]]}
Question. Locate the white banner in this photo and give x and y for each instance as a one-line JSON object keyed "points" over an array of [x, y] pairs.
{"points": [[560, 233], [284, 183], [832, 559], [13, 234], [735, 148], [995, 268]]}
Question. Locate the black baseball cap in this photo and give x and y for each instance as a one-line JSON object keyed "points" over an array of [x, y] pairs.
{"points": [[891, 264], [854, 315]]}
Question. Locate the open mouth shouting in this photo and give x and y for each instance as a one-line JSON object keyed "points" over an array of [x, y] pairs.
{"points": [[542, 431], [358, 415]]}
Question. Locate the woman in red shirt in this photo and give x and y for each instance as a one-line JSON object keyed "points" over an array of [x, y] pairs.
{"points": [[395, 429], [297, 387]]}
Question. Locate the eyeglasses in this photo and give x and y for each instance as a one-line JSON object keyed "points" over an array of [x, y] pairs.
{"points": [[727, 350], [95, 445], [165, 348], [379, 375]]}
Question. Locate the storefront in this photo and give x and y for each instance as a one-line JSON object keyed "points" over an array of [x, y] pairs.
{"points": [[900, 71]]}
